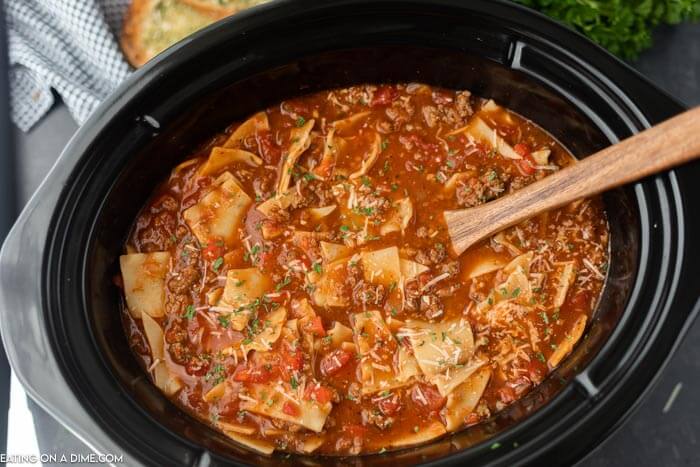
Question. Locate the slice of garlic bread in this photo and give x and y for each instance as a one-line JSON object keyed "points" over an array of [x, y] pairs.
{"points": [[152, 26], [227, 7]]}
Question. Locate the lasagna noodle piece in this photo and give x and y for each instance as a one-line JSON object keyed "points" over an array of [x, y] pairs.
{"points": [[258, 445], [219, 213], [162, 377], [300, 140], [334, 251], [480, 131], [321, 212], [247, 129], [385, 364], [566, 274], [399, 218], [144, 282], [382, 266], [269, 400], [243, 287], [330, 286], [221, 158], [432, 431], [370, 158], [271, 330], [465, 397], [411, 269], [567, 344], [443, 351]]}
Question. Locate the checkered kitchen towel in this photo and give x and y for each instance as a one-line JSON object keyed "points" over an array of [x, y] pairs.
{"points": [[69, 46]]}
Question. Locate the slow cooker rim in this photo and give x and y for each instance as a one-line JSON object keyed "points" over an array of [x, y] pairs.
{"points": [[85, 136]]}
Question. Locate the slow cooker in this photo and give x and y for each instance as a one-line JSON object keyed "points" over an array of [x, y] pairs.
{"points": [[59, 309]]}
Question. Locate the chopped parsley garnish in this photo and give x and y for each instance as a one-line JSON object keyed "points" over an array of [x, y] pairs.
{"points": [[253, 253], [544, 316], [216, 374], [224, 320], [540, 357], [317, 268], [394, 187], [285, 282], [293, 382], [385, 144], [218, 263], [189, 312], [495, 446], [366, 180], [515, 292], [300, 121]]}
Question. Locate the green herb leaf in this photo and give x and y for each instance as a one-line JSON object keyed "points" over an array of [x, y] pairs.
{"points": [[189, 312]]}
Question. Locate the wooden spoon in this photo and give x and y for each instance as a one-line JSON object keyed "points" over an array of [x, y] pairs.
{"points": [[659, 148]]}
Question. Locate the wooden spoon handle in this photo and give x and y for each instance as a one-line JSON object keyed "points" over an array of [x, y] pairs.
{"points": [[656, 149]]}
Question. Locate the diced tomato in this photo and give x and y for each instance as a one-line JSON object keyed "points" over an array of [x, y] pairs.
{"points": [[581, 300], [333, 362], [427, 396], [323, 395], [269, 150], [197, 366], [290, 409], [384, 95], [536, 371], [521, 149], [316, 327], [389, 405], [506, 394], [245, 374], [320, 394], [293, 358], [213, 250], [527, 163]]}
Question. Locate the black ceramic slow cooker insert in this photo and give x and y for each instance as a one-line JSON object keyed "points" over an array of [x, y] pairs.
{"points": [[59, 309]]}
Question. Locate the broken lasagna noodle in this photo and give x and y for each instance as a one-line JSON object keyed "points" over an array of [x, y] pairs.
{"points": [[291, 284]]}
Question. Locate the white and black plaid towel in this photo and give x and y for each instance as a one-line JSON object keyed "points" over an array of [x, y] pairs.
{"points": [[69, 46]]}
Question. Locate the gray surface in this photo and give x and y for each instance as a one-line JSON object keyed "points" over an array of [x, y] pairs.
{"points": [[660, 433]]}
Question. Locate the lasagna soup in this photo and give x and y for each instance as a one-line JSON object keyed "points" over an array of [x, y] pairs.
{"points": [[292, 284]]}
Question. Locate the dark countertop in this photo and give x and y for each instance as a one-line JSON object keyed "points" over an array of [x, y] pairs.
{"points": [[664, 431]]}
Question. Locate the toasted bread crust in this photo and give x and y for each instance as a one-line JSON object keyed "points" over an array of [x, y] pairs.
{"points": [[205, 6], [168, 21], [132, 31]]}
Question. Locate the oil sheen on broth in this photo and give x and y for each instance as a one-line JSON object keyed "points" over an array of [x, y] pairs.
{"points": [[291, 284]]}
